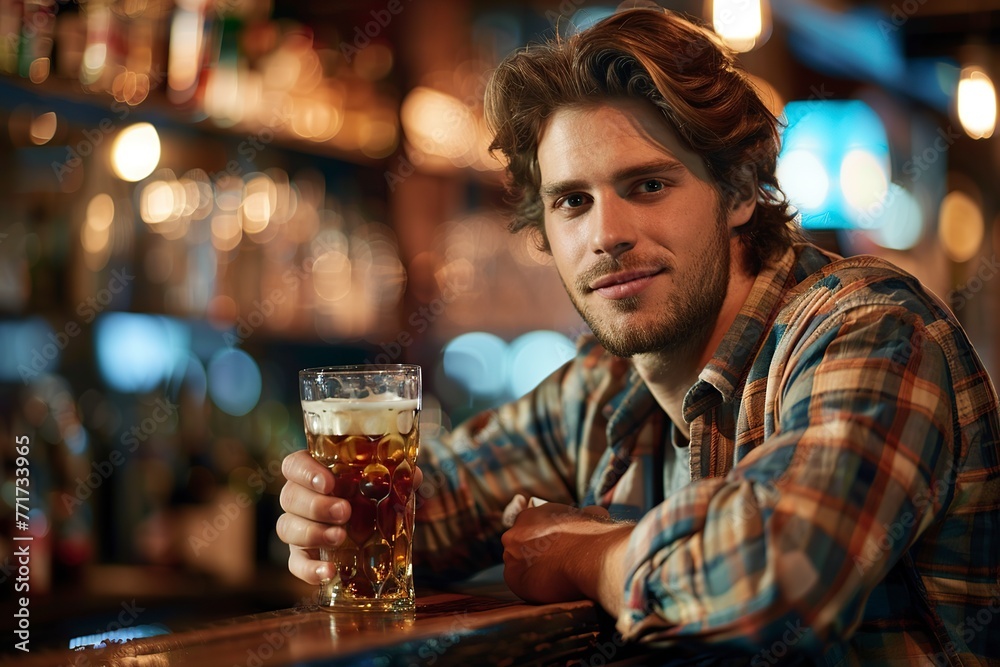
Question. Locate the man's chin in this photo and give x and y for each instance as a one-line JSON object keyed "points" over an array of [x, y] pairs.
{"points": [[629, 304], [629, 343], [632, 338]]}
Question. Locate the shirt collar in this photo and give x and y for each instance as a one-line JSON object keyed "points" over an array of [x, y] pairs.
{"points": [[722, 375], [725, 371], [627, 410]]}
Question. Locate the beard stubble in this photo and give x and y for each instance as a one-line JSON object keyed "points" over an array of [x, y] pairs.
{"points": [[681, 320]]}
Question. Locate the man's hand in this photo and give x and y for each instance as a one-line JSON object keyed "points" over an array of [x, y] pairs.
{"points": [[555, 553], [312, 518]]}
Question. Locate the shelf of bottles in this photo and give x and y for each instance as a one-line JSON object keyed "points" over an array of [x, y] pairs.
{"points": [[221, 226], [227, 62]]}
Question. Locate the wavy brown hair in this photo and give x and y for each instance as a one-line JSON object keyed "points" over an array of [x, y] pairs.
{"points": [[681, 68]]}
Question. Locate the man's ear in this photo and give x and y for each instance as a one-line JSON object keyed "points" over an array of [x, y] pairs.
{"points": [[741, 210], [743, 200]]}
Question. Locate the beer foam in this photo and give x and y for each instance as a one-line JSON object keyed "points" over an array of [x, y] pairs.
{"points": [[370, 416]]}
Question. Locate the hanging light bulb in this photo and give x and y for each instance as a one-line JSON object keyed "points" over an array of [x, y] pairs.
{"points": [[977, 103], [739, 23]]}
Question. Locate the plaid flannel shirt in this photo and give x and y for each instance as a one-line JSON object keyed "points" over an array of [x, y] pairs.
{"points": [[845, 464]]}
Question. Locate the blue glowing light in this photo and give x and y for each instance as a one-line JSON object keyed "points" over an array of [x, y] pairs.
{"points": [[862, 43], [534, 356], [901, 221], [834, 164], [866, 44], [119, 636], [234, 381], [31, 348], [137, 353], [487, 368], [477, 362]]}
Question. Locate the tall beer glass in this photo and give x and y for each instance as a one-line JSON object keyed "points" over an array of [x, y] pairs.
{"points": [[362, 422]]}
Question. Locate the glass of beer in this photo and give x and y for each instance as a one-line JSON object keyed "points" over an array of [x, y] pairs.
{"points": [[362, 422]]}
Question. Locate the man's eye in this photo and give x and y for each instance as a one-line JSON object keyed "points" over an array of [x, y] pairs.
{"points": [[651, 185], [573, 201]]}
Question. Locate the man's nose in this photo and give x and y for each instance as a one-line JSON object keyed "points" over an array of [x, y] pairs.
{"points": [[613, 232]]}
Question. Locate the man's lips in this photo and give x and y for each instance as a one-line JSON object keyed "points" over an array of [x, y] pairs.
{"points": [[624, 284]]}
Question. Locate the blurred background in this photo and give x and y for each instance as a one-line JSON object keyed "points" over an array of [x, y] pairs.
{"points": [[200, 198]]}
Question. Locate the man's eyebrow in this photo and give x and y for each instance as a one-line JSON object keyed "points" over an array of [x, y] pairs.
{"points": [[659, 166]]}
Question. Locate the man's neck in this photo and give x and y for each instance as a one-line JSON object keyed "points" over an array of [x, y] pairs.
{"points": [[668, 382], [670, 374]]}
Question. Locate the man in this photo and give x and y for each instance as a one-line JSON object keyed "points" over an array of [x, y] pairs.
{"points": [[801, 451]]}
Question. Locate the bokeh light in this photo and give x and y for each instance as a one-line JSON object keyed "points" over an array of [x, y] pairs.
{"points": [[31, 348], [738, 22], [135, 152], [43, 128], [864, 179], [100, 211], [977, 103], [804, 180], [157, 202], [260, 200], [834, 163], [226, 231], [226, 93], [534, 356], [94, 58], [95, 236], [960, 226], [476, 361], [39, 69], [187, 34], [138, 353], [899, 223], [486, 368], [332, 275], [439, 124], [234, 381]]}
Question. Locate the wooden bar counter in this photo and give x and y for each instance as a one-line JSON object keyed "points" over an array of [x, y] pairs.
{"points": [[447, 628]]}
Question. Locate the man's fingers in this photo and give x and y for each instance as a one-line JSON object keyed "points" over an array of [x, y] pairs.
{"points": [[306, 503], [298, 532], [301, 468], [304, 564]]}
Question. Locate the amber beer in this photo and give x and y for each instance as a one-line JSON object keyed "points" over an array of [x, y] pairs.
{"points": [[370, 444]]}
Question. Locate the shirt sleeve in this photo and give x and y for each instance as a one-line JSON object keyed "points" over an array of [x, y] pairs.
{"points": [[471, 475], [787, 547]]}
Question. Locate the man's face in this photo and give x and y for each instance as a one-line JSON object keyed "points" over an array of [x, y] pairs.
{"points": [[634, 226]]}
